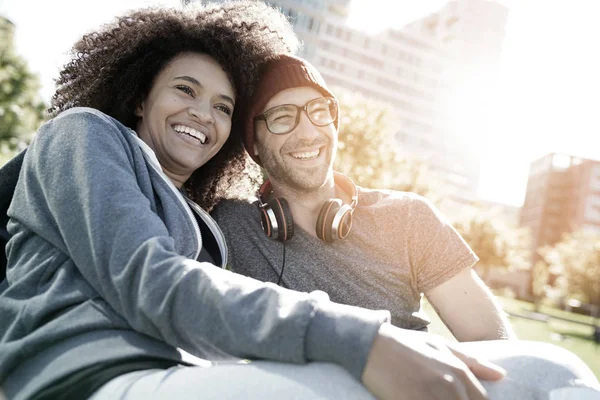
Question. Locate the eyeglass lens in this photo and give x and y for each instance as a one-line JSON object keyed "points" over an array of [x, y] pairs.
{"points": [[283, 119]]}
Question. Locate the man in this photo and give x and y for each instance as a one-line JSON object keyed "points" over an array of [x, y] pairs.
{"points": [[313, 229], [397, 247]]}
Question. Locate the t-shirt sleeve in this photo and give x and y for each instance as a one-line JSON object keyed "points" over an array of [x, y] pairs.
{"points": [[436, 249]]}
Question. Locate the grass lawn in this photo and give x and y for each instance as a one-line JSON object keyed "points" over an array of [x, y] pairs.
{"points": [[572, 336]]}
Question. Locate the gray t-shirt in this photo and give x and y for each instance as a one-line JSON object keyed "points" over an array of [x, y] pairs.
{"points": [[400, 246]]}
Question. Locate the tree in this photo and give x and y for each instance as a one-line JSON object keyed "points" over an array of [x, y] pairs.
{"points": [[21, 109], [540, 283], [367, 152], [574, 262], [496, 243]]}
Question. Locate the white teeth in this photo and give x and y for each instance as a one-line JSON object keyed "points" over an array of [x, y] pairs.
{"points": [[306, 154], [191, 131]]}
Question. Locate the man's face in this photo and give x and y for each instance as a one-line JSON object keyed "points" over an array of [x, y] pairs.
{"points": [[303, 158]]}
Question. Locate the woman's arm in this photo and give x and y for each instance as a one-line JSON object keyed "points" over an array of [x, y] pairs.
{"points": [[79, 178]]}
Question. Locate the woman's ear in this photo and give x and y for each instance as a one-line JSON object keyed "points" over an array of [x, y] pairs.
{"points": [[139, 110], [255, 148]]}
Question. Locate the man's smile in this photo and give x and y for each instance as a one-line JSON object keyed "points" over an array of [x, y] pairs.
{"points": [[306, 155]]}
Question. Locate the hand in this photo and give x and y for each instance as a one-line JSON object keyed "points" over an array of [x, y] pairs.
{"points": [[407, 365]]}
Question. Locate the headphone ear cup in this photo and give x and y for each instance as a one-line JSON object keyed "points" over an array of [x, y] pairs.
{"points": [[325, 219], [283, 215], [345, 224], [266, 220]]}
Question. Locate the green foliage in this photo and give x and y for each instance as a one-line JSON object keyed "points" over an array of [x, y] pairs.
{"points": [[568, 330], [575, 262], [496, 242], [573, 336], [367, 152], [21, 110]]}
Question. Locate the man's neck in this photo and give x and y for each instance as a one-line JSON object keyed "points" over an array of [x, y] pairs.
{"points": [[305, 205]]}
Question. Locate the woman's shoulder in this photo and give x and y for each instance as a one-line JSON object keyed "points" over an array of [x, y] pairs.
{"points": [[87, 114], [85, 131], [81, 124]]}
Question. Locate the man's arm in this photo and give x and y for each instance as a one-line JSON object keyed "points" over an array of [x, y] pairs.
{"points": [[469, 309], [442, 262]]}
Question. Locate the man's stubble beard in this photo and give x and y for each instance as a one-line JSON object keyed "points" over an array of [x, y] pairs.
{"points": [[296, 178]]}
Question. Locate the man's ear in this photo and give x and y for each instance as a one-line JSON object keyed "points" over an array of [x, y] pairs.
{"points": [[139, 110]]}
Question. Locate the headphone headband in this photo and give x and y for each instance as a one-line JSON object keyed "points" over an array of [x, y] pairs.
{"points": [[265, 189], [348, 186]]}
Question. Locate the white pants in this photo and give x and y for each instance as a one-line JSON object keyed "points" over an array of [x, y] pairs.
{"points": [[536, 371]]}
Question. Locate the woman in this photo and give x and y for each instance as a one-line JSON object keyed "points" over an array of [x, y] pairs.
{"points": [[110, 264]]}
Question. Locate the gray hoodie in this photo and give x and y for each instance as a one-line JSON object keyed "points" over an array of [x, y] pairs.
{"points": [[102, 268]]}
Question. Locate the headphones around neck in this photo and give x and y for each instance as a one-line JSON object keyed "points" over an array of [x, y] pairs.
{"points": [[334, 220]]}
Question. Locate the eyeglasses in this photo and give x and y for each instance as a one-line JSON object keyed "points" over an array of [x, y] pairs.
{"points": [[285, 118]]}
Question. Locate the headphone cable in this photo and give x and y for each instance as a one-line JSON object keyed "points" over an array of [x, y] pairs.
{"points": [[282, 265]]}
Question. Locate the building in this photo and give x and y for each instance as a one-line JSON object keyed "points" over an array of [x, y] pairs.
{"points": [[426, 70], [563, 195]]}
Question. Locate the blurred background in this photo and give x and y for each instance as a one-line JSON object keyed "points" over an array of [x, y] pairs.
{"points": [[488, 108]]}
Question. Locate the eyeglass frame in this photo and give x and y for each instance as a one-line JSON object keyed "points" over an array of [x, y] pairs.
{"points": [[263, 117]]}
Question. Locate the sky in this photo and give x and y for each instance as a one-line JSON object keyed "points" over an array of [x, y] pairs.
{"points": [[546, 98]]}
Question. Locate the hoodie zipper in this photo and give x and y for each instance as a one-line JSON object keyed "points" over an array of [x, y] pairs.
{"points": [[188, 211], [151, 159]]}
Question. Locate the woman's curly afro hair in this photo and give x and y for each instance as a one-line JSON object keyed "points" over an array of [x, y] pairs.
{"points": [[114, 68]]}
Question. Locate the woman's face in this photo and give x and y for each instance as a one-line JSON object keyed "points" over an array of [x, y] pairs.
{"points": [[186, 117]]}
